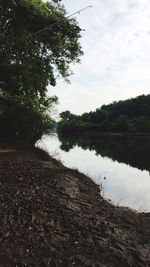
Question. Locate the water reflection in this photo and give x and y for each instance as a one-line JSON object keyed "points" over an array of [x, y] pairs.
{"points": [[124, 162], [129, 150]]}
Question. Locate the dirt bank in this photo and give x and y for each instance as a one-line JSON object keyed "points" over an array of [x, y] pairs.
{"points": [[54, 216]]}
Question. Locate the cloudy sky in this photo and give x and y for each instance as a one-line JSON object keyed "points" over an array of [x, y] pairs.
{"points": [[116, 61]]}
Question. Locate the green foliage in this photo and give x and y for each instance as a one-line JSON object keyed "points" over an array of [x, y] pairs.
{"points": [[24, 122], [32, 60], [132, 115], [38, 44], [67, 115]]}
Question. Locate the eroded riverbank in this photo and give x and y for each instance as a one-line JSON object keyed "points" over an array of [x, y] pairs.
{"points": [[54, 216]]}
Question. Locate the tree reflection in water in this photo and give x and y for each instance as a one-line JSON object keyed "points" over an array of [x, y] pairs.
{"points": [[133, 151]]}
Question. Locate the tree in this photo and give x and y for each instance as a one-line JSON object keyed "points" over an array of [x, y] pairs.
{"points": [[131, 115], [67, 115], [38, 44]]}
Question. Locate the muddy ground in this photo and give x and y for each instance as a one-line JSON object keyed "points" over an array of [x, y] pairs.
{"points": [[54, 216]]}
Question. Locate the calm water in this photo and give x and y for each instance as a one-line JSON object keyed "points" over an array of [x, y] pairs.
{"points": [[120, 164]]}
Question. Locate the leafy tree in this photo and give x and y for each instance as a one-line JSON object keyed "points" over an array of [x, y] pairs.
{"points": [[122, 123], [67, 115], [131, 115], [38, 44]]}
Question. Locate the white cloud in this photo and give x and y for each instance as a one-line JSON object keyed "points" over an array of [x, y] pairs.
{"points": [[116, 63]]}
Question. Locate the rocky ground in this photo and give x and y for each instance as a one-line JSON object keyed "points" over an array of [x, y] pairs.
{"points": [[54, 216]]}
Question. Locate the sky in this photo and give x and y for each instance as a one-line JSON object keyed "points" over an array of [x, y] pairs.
{"points": [[116, 61]]}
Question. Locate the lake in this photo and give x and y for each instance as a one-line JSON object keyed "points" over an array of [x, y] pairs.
{"points": [[119, 165]]}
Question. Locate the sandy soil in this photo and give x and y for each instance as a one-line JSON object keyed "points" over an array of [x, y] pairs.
{"points": [[54, 216]]}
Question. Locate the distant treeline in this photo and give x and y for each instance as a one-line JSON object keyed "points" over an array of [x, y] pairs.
{"points": [[132, 115]]}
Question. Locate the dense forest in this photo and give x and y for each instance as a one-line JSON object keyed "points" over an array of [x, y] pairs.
{"points": [[131, 115]]}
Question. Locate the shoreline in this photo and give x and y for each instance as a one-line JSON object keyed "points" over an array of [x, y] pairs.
{"points": [[98, 133], [55, 216]]}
